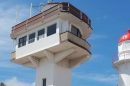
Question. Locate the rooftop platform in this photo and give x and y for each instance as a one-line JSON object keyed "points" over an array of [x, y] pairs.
{"points": [[55, 10]]}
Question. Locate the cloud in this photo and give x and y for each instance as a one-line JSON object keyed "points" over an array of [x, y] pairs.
{"points": [[7, 20], [10, 64], [96, 57], [104, 78], [97, 37], [15, 82]]}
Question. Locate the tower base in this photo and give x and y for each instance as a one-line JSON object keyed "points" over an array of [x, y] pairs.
{"points": [[49, 73]]}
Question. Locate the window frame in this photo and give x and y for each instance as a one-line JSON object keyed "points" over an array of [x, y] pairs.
{"points": [[22, 41], [40, 36], [49, 27], [77, 33], [31, 40]]}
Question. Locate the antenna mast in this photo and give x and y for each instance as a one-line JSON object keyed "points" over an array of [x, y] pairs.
{"points": [[35, 6], [17, 14], [31, 10]]}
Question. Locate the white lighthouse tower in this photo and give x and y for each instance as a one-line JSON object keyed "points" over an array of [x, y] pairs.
{"points": [[53, 42], [123, 63]]}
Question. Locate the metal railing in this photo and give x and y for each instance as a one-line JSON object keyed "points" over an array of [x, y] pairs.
{"points": [[61, 7], [68, 36]]}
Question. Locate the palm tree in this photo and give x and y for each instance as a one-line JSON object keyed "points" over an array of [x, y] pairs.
{"points": [[2, 84]]}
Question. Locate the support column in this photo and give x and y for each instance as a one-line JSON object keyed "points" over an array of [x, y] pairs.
{"points": [[34, 61], [55, 74]]}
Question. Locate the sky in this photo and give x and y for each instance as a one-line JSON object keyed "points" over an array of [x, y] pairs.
{"points": [[110, 20]]}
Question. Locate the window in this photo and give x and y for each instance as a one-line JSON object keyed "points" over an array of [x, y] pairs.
{"points": [[41, 34], [75, 31], [22, 41], [31, 38], [51, 30], [44, 82]]}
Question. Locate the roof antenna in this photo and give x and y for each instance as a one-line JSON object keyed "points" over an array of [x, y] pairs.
{"points": [[17, 14], [41, 6], [31, 5], [50, 1], [35, 6]]}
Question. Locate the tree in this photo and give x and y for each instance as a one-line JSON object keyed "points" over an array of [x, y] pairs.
{"points": [[2, 84]]}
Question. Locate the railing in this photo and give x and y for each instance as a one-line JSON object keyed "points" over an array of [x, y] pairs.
{"points": [[68, 36], [80, 38], [61, 7], [76, 12]]}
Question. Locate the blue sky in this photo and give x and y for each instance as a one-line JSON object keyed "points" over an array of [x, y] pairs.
{"points": [[110, 20]]}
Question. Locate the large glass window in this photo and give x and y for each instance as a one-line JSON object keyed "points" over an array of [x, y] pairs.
{"points": [[22, 41], [75, 31], [44, 82], [41, 34], [31, 38], [51, 30]]}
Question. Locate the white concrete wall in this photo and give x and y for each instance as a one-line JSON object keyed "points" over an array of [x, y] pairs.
{"points": [[62, 76], [55, 75], [38, 45], [64, 26], [124, 74], [45, 70]]}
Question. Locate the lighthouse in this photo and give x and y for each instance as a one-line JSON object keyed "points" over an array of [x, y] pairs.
{"points": [[53, 42], [123, 63]]}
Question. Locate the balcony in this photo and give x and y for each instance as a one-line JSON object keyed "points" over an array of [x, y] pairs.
{"points": [[68, 36], [67, 40], [55, 10]]}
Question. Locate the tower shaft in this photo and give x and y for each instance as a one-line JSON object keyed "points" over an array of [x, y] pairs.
{"points": [[54, 74], [54, 70]]}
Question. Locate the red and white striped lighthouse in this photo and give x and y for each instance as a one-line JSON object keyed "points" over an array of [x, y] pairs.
{"points": [[123, 63]]}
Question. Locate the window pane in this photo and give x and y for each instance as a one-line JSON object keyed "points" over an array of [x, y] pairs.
{"points": [[51, 30], [79, 34], [22, 41], [44, 82], [41, 34], [75, 31], [31, 38], [19, 44]]}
